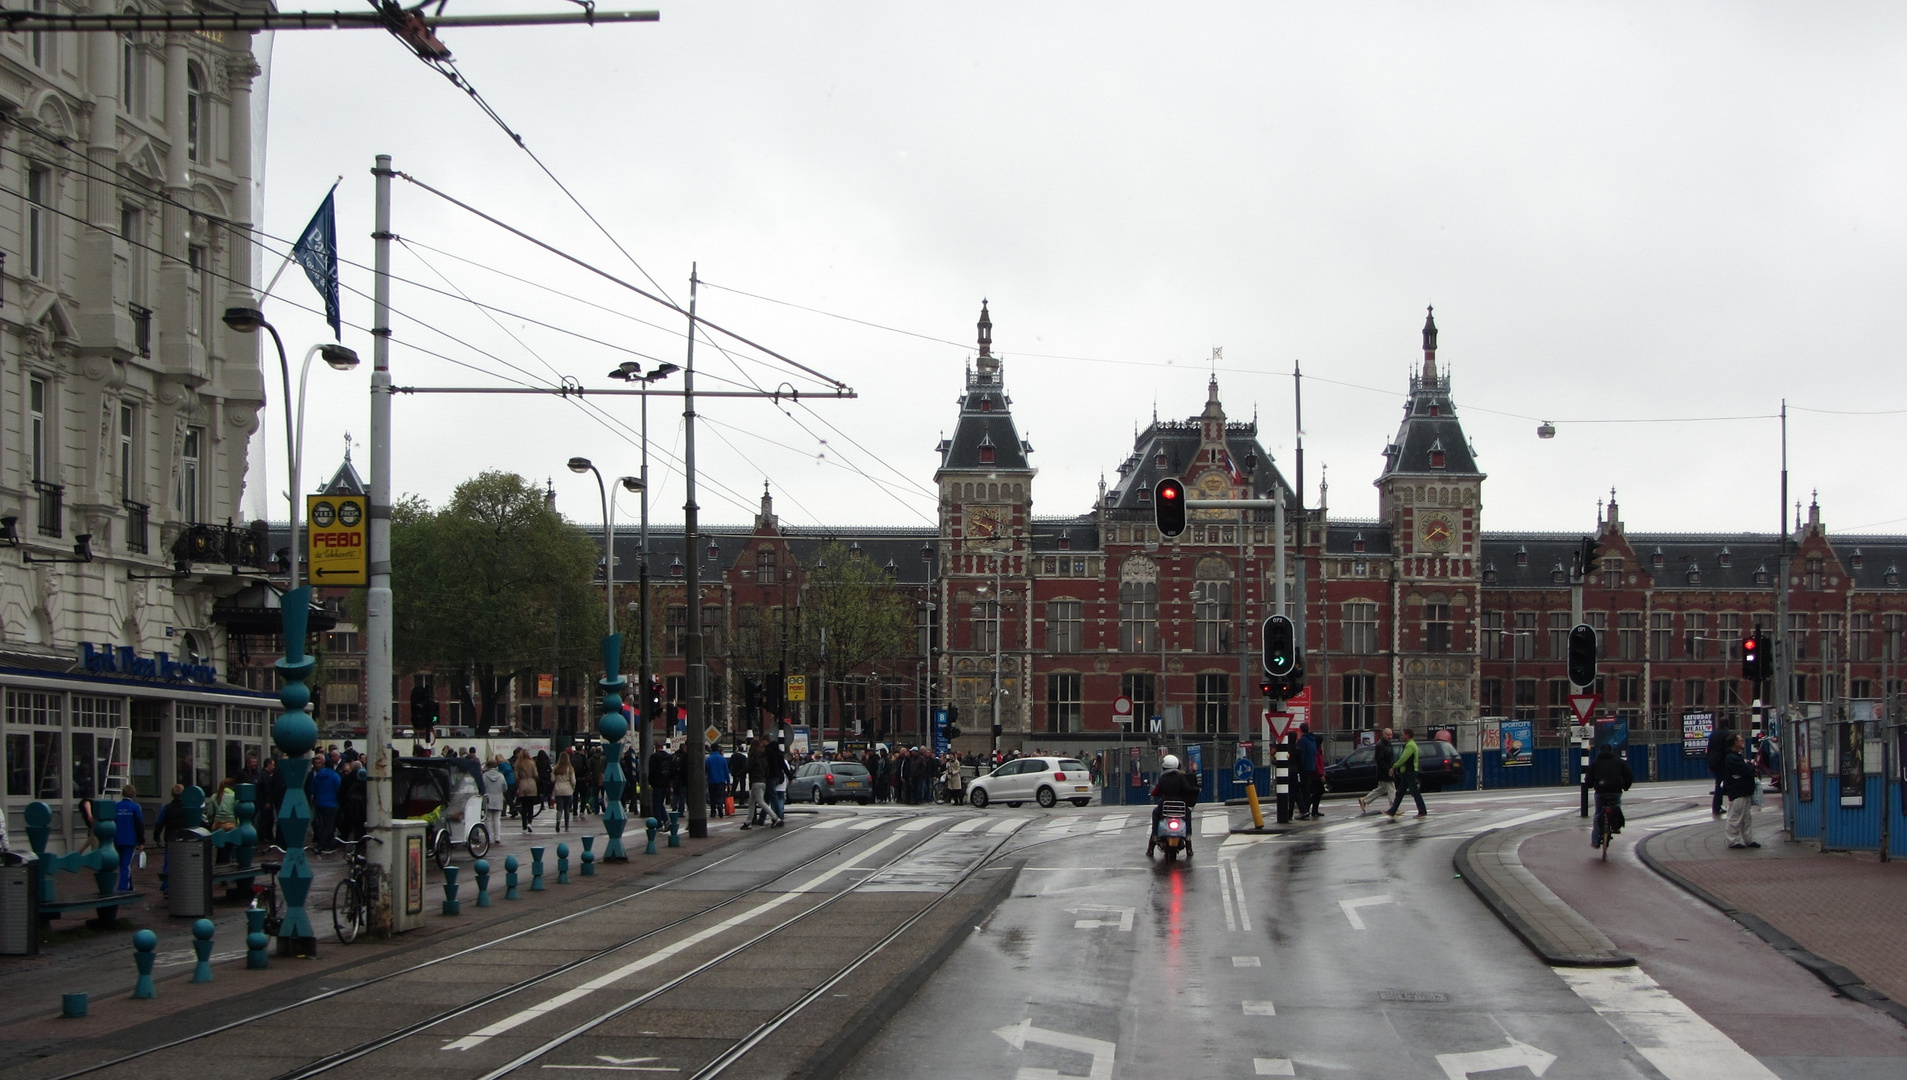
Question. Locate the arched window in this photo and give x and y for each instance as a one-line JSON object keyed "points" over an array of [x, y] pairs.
{"points": [[1212, 606], [1138, 605], [194, 108]]}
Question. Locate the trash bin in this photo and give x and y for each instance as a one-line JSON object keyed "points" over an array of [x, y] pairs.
{"points": [[19, 904], [189, 874]]}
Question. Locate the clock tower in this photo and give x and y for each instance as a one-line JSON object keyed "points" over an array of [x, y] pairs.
{"points": [[1430, 495], [985, 539]]}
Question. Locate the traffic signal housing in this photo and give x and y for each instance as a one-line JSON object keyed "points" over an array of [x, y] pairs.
{"points": [[1168, 505], [952, 730], [1588, 558], [1757, 658], [1582, 654], [1281, 647]]}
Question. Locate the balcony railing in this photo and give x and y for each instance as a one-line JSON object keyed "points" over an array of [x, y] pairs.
{"points": [[52, 508], [138, 526], [227, 544], [141, 328]]}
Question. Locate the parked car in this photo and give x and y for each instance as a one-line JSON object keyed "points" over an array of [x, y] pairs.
{"points": [[1438, 766], [1044, 780], [821, 782]]}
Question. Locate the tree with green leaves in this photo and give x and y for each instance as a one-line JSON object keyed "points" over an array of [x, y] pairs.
{"points": [[493, 585], [853, 615]]}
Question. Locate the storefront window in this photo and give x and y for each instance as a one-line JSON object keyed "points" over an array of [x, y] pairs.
{"points": [[46, 764], [195, 760], [85, 778], [19, 765]]}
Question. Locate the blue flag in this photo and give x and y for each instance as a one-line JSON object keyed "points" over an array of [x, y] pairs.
{"points": [[317, 252]]}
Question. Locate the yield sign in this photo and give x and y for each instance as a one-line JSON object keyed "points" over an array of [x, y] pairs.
{"points": [[1280, 722], [1584, 704]]}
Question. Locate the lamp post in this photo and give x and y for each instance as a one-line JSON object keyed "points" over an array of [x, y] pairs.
{"points": [[294, 732], [612, 725], [630, 371]]}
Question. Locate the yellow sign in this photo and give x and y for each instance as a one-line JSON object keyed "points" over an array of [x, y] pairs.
{"points": [[797, 688], [337, 540], [713, 735], [546, 686]]}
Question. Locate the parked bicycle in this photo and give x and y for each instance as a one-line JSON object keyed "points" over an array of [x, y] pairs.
{"points": [[351, 900]]}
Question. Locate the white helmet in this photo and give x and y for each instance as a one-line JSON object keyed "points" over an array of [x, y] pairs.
{"points": [[1170, 761]]}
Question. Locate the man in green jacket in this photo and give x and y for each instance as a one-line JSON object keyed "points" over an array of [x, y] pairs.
{"points": [[1404, 769]]}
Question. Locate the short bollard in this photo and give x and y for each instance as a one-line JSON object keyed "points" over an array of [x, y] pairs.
{"points": [[202, 932], [72, 1006], [451, 905], [509, 877], [145, 946], [562, 864], [652, 825], [536, 869], [482, 870], [589, 857], [255, 940], [675, 828]]}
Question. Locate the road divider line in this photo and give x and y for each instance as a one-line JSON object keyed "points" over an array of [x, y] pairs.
{"points": [[1527, 819], [1248, 961], [1225, 895], [1238, 885], [1350, 908], [1113, 823], [1673, 1037]]}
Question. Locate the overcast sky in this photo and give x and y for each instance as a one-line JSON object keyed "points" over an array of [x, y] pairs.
{"points": [[1622, 213]]}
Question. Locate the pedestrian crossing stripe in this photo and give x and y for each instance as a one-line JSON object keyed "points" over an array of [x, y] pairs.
{"points": [[1215, 825], [915, 825], [831, 823], [870, 823], [968, 825], [1007, 826]]}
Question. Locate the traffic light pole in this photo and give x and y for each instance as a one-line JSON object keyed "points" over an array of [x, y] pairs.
{"points": [[1576, 619], [693, 661]]}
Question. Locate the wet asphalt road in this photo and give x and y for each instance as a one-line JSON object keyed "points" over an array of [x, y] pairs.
{"points": [[1346, 950]]}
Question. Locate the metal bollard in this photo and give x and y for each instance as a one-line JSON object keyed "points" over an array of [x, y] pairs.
{"points": [[652, 825], [675, 829], [482, 870], [202, 932], [536, 869], [589, 857], [145, 944], [562, 864], [451, 905], [72, 1006], [509, 877], [255, 940]]}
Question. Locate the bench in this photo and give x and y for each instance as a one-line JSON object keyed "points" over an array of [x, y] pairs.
{"points": [[103, 862]]}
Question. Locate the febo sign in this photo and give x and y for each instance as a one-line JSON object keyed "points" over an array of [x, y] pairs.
{"points": [[335, 545]]}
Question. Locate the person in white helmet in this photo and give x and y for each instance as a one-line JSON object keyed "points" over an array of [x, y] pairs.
{"points": [[1173, 786]]}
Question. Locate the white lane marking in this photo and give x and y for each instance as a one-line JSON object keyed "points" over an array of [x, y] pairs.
{"points": [[1225, 895], [1460, 1066], [1272, 1066], [1675, 1039], [616, 1064], [1350, 908], [1248, 961], [915, 825], [1102, 1052], [870, 823], [1214, 824], [1237, 884], [968, 825], [1122, 917], [831, 823], [1113, 823], [1260, 1008], [524, 1016], [1528, 818], [1055, 831], [1356, 823], [1006, 826]]}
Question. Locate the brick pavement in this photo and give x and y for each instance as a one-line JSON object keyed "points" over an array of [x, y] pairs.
{"points": [[1848, 908]]}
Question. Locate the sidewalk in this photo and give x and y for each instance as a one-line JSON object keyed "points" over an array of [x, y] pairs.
{"points": [[1843, 915]]}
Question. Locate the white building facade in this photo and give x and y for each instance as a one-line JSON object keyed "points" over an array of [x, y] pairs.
{"points": [[126, 406]]}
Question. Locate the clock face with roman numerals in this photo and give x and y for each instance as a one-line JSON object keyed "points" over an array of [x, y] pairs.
{"points": [[1437, 532]]}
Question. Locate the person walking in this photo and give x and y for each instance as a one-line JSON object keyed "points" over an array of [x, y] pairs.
{"points": [[353, 797], [129, 833], [955, 781], [716, 766], [1718, 744], [271, 793], [563, 786], [780, 772], [527, 794], [494, 787], [324, 807], [661, 771], [509, 786], [1307, 765], [1738, 785], [1405, 770], [759, 810]]}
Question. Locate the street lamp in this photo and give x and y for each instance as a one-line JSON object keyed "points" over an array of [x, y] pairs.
{"points": [[612, 725], [630, 371], [294, 732]]}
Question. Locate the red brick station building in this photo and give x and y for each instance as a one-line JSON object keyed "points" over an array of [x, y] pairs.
{"points": [[1418, 617]]}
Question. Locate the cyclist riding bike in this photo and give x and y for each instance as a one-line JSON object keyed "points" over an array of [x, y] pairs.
{"points": [[1173, 786], [1610, 776]]}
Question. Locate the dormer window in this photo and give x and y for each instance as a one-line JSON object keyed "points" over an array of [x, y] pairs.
{"points": [[1159, 459], [986, 450], [1558, 575], [1761, 574], [675, 567], [1891, 577], [1522, 556], [1065, 541], [1855, 560], [986, 404], [1436, 450], [1655, 557], [1433, 408], [1357, 542], [1694, 574], [1727, 558], [1489, 573]]}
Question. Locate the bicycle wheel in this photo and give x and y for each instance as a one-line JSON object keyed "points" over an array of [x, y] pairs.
{"points": [[347, 911], [440, 848], [479, 841], [1606, 820]]}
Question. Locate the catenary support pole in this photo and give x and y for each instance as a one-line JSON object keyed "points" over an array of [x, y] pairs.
{"points": [[378, 615], [694, 661]]}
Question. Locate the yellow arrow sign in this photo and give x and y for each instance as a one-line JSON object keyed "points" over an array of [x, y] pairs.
{"points": [[337, 541]]}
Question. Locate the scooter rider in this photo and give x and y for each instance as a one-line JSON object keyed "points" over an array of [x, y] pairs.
{"points": [[1173, 786]]}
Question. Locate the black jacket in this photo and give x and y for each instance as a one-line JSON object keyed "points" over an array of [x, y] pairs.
{"points": [[1176, 786], [1382, 756], [1611, 773], [1738, 777], [1718, 751]]}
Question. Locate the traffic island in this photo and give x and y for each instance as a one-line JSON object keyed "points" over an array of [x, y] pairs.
{"points": [[1488, 863]]}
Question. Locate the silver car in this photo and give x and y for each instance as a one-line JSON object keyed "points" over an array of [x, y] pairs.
{"points": [[1044, 780]]}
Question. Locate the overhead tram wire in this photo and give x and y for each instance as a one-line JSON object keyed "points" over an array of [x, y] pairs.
{"points": [[885, 487]]}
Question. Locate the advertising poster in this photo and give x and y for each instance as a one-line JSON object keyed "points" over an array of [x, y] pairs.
{"points": [[940, 731], [1493, 735], [1696, 729], [798, 740], [1518, 736], [1804, 764], [1134, 777], [1900, 759], [1196, 752], [1612, 732], [1853, 745], [1445, 733], [414, 886]]}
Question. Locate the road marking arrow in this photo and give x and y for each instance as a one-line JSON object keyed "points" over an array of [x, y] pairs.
{"points": [[1350, 908], [1459, 1066], [1101, 1051], [1123, 922]]}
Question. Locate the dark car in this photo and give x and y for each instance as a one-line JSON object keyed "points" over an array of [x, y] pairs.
{"points": [[1438, 766], [826, 781]]}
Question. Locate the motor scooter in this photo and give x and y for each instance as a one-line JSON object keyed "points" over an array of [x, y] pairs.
{"points": [[1173, 833]]}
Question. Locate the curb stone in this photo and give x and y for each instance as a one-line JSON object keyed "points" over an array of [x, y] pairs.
{"points": [[1544, 941]]}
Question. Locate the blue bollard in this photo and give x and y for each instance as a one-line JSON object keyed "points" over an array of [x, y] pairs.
{"points": [[509, 877], [255, 939], [145, 944], [589, 857], [562, 864], [451, 906], [652, 825], [536, 869], [675, 828], [72, 1006], [483, 882], [202, 932]]}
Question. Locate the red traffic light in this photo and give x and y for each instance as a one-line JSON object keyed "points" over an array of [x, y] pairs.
{"points": [[1168, 507], [1166, 492]]}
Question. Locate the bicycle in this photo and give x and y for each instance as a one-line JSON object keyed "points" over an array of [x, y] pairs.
{"points": [[351, 900], [1605, 824]]}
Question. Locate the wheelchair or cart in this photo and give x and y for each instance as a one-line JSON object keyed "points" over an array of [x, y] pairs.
{"points": [[447, 793]]}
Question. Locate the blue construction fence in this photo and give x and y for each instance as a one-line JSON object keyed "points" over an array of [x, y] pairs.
{"points": [[1848, 791]]}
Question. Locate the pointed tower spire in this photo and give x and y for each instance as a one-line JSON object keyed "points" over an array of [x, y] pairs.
{"points": [[1430, 345], [987, 365]]}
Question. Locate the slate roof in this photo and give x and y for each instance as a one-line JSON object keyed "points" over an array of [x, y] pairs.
{"points": [[1168, 448], [1081, 533], [900, 547], [986, 417], [1340, 538], [1430, 424]]}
